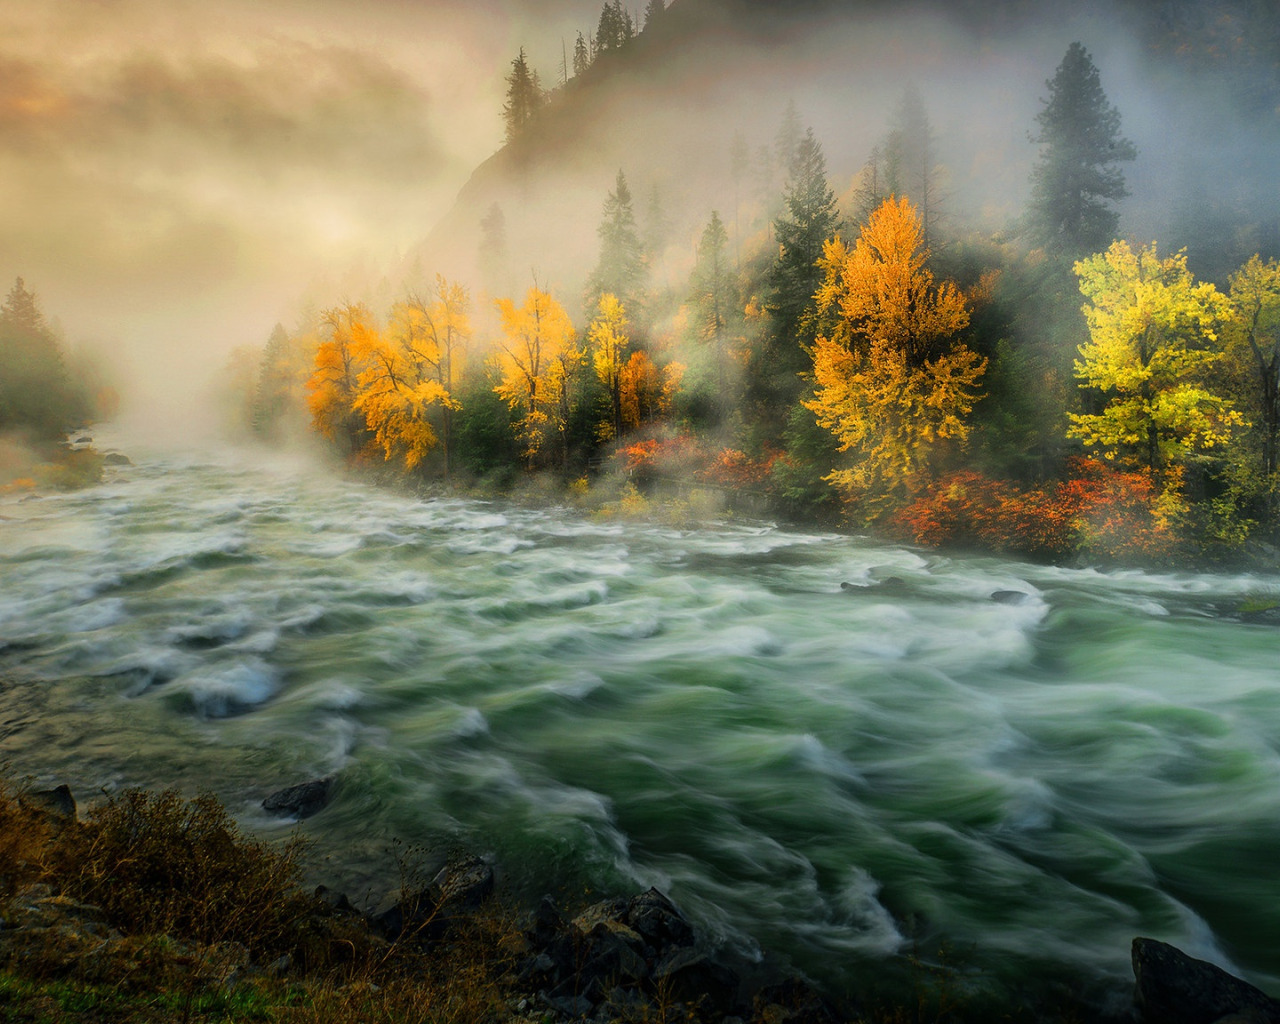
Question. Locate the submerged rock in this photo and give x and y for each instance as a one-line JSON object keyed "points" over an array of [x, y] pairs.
{"points": [[116, 459], [1173, 988], [1010, 597], [300, 801]]}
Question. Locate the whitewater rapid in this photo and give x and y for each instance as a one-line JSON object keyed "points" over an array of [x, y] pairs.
{"points": [[840, 775]]}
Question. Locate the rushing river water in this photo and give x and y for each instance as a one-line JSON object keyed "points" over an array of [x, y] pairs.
{"points": [[839, 775]]}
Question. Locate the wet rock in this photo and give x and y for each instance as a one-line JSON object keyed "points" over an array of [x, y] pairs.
{"points": [[458, 889], [793, 1002], [657, 920], [300, 801], [335, 901], [1013, 597], [690, 975], [546, 924], [1173, 988], [57, 805], [463, 885], [116, 459]]}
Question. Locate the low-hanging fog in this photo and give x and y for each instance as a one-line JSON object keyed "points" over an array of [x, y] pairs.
{"points": [[182, 175]]}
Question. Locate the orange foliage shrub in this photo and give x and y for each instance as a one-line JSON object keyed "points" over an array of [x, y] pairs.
{"points": [[678, 456], [733, 469], [1097, 509]]}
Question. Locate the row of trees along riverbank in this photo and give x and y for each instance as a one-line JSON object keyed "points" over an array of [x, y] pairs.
{"points": [[846, 358]]}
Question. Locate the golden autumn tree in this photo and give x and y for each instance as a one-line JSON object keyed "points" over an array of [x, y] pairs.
{"points": [[609, 344], [408, 372], [891, 381], [537, 360], [334, 382], [646, 391]]}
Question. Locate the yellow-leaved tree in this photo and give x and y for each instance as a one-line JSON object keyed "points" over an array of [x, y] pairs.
{"points": [[537, 359], [1153, 351], [609, 344], [332, 387], [1255, 343], [408, 372], [891, 380]]}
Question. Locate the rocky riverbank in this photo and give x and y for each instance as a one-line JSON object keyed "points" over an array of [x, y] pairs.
{"points": [[453, 948]]}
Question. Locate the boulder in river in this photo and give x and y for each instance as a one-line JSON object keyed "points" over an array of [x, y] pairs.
{"points": [[1010, 597], [300, 801], [1173, 988]]}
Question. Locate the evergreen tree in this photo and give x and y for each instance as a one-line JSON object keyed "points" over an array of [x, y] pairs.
{"points": [[621, 267], [712, 296], [524, 96], [493, 255], [581, 56], [36, 393], [21, 311], [739, 162], [1076, 180], [810, 218], [786, 144], [275, 384], [652, 12], [616, 27], [910, 161]]}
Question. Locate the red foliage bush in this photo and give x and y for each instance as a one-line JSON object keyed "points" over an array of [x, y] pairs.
{"points": [[1096, 509]]}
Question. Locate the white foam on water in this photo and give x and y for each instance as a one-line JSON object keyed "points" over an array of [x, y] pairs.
{"points": [[216, 691]]}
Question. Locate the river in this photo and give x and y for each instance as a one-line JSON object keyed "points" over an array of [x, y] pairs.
{"points": [[840, 775]]}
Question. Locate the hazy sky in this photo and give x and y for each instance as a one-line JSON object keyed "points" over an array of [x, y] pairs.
{"points": [[176, 171]]}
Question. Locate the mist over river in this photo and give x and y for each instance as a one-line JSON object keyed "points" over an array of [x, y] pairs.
{"points": [[836, 775]]}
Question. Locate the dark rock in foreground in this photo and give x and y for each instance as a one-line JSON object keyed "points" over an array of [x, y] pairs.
{"points": [[57, 804], [300, 801], [1173, 988]]}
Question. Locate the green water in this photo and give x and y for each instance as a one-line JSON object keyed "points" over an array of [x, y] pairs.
{"points": [[841, 777]]}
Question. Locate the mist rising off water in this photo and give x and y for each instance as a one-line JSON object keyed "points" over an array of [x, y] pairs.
{"points": [[839, 776]]}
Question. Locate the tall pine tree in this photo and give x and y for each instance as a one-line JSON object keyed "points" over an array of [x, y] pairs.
{"points": [[1076, 180], [809, 218], [524, 96], [621, 268]]}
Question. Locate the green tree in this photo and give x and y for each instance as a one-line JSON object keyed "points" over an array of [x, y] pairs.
{"points": [[1076, 179], [621, 269], [653, 10], [493, 253], [809, 220], [1153, 353], [36, 392], [786, 143], [581, 56], [712, 298], [616, 27], [524, 96], [910, 161]]}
